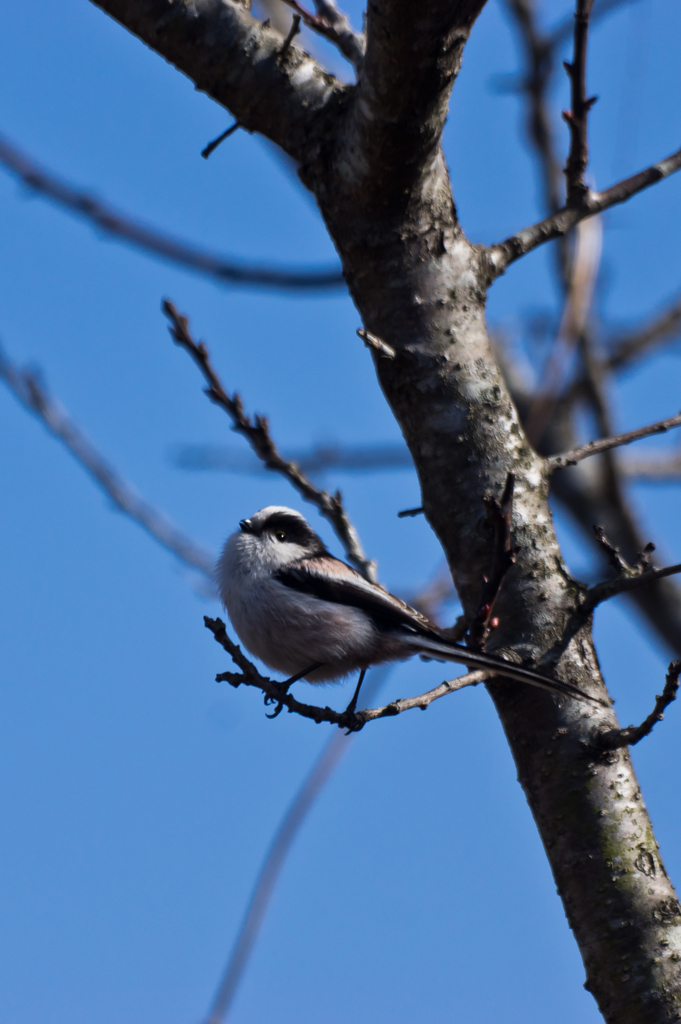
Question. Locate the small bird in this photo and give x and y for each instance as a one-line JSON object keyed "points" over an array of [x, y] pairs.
{"points": [[308, 615]]}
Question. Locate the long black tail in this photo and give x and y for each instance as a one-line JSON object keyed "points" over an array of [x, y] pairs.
{"points": [[478, 659]]}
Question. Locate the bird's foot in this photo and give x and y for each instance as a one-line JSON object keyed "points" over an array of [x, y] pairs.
{"points": [[283, 688]]}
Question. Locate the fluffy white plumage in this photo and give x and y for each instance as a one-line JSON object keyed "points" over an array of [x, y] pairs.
{"points": [[298, 608], [287, 629]]}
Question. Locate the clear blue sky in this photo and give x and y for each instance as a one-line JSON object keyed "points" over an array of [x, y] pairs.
{"points": [[137, 796]]}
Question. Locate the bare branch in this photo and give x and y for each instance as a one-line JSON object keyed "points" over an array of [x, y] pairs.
{"points": [[614, 557], [376, 344], [119, 225], [351, 458], [499, 518], [258, 435], [627, 348], [541, 50], [653, 469], [292, 33], [27, 387], [212, 146], [596, 447], [601, 8], [577, 116], [587, 495], [334, 26], [275, 693], [502, 255], [396, 707], [622, 585], [540, 58], [580, 272], [233, 57], [270, 871], [353, 721], [613, 739]]}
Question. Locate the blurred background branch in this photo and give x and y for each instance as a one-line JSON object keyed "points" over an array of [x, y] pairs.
{"points": [[29, 388], [118, 225]]}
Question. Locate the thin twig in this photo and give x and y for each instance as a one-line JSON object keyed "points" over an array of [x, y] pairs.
{"points": [[353, 721], [257, 433], [615, 559], [500, 256], [292, 33], [605, 444], [378, 346], [614, 739], [541, 52], [622, 585], [409, 513], [205, 153], [577, 116], [588, 498], [31, 392], [119, 225], [565, 29], [396, 707], [331, 23], [499, 517]]}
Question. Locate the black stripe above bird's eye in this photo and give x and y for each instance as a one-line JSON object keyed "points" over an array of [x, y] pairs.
{"points": [[295, 530]]}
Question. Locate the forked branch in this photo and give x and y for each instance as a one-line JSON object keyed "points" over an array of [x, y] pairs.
{"points": [[502, 255], [616, 738], [353, 721], [331, 23], [257, 433], [629, 577]]}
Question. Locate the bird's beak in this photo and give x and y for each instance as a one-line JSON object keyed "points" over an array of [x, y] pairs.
{"points": [[246, 526]]}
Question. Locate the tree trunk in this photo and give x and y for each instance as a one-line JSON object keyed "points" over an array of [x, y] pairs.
{"points": [[371, 155]]}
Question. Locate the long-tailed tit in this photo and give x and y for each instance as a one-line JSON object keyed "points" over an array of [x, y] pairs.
{"points": [[308, 615]]}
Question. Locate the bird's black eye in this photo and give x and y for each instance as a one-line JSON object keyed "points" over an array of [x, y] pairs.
{"points": [[280, 535]]}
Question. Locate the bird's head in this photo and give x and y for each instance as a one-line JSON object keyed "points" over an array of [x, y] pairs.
{"points": [[274, 537]]}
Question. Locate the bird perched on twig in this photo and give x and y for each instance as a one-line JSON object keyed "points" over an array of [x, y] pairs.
{"points": [[308, 615]]}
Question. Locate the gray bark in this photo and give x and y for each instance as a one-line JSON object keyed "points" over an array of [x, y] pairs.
{"points": [[371, 155]]}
